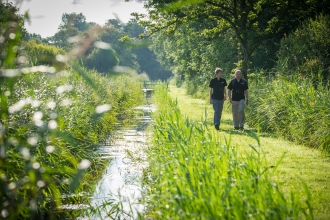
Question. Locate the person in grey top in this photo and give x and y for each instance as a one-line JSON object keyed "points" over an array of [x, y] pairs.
{"points": [[238, 96]]}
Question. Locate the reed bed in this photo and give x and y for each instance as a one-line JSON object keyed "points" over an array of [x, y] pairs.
{"points": [[295, 108], [195, 175], [51, 125]]}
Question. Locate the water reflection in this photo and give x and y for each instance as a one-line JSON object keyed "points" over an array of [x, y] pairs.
{"points": [[118, 193]]}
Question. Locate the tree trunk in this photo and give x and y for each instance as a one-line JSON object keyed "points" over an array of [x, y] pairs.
{"points": [[245, 61]]}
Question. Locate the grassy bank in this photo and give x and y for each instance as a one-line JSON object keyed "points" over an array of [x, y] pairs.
{"points": [[297, 109], [51, 123], [196, 174], [299, 164]]}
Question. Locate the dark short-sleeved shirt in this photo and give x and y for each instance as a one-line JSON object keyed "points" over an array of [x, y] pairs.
{"points": [[218, 87], [238, 88]]}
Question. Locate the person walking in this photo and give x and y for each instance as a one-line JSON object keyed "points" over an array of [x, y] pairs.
{"points": [[217, 96], [238, 96]]}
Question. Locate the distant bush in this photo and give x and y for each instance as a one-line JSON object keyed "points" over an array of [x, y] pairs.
{"points": [[42, 54], [307, 50], [102, 60], [294, 108]]}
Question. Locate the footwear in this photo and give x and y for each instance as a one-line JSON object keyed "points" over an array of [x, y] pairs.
{"points": [[236, 128], [241, 128], [216, 126]]}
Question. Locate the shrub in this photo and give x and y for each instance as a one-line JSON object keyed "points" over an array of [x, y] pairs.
{"points": [[42, 54], [307, 50], [102, 60], [293, 107]]}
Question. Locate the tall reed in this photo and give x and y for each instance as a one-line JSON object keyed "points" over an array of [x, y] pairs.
{"points": [[296, 108], [195, 175], [51, 124]]}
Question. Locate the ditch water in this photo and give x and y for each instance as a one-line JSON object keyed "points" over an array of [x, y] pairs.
{"points": [[121, 182], [119, 192]]}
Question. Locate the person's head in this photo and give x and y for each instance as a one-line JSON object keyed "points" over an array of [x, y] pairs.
{"points": [[238, 74], [218, 72]]}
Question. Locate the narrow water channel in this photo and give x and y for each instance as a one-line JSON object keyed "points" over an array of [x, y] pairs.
{"points": [[118, 193]]}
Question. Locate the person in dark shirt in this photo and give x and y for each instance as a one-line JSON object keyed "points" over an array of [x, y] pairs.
{"points": [[217, 95], [238, 96]]}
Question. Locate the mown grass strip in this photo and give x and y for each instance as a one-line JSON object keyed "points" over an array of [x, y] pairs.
{"points": [[300, 165], [195, 175]]}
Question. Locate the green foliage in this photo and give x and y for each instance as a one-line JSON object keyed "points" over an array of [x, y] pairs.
{"points": [[42, 54], [77, 36], [50, 128], [257, 26], [149, 64], [133, 29], [51, 123], [307, 50], [190, 54], [103, 60], [113, 37], [73, 25], [131, 51], [286, 155], [74, 20], [61, 38], [10, 33], [32, 36], [194, 175], [295, 108]]}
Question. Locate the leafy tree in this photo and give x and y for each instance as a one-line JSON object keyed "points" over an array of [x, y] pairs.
{"points": [[253, 22], [307, 50], [32, 36], [133, 29], [103, 60], [73, 20], [114, 23], [149, 64], [42, 54], [11, 30], [72, 25], [189, 53], [145, 57], [61, 38], [113, 37]]}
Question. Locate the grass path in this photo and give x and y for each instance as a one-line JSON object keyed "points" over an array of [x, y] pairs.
{"points": [[299, 163]]}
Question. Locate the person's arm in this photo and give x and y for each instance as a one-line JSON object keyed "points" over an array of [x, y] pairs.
{"points": [[229, 95], [224, 94], [246, 97], [211, 92]]}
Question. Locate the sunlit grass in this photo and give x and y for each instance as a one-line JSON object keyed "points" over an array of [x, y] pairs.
{"points": [[300, 164], [295, 108], [196, 174], [51, 125]]}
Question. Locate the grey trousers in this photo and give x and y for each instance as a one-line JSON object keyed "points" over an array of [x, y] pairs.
{"points": [[238, 113], [217, 106]]}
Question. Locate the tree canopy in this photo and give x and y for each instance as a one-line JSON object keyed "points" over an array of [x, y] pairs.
{"points": [[11, 30], [123, 46], [254, 23], [73, 20], [307, 49]]}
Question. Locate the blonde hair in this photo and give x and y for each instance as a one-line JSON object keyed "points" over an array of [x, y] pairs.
{"points": [[218, 70], [238, 71]]}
